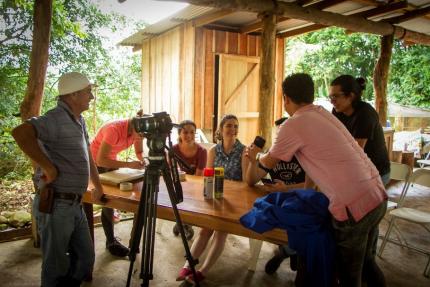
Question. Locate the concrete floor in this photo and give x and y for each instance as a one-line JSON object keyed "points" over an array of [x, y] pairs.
{"points": [[20, 262]]}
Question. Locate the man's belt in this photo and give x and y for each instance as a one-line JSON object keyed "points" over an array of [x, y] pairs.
{"points": [[68, 196]]}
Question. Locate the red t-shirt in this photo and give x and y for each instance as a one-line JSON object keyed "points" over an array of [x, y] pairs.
{"points": [[198, 161], [115, 134]]}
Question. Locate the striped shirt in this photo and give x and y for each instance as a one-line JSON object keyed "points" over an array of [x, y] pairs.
{"points": [[65, 142]]}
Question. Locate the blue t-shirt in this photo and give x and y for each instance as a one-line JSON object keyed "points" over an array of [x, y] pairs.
{"points": [[231, 162]]}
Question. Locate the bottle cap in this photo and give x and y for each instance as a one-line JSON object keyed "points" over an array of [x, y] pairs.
{"points": [[208, 171]]}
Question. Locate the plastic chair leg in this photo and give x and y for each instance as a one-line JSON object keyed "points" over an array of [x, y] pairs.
{"points": [[254, 248], [387, 235]]}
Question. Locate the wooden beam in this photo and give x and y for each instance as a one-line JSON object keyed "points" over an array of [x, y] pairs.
{"points": [[382, 9], [302, 30], [380, 77], [267, 77], [258, 25], [318, 5], [408, 15], [291, 10], [212, 17], [325, 4], [42, 17], [365, 14], [302, 2]]}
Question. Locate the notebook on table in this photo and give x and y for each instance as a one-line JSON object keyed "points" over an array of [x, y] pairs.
{"points": [[121, 175]]}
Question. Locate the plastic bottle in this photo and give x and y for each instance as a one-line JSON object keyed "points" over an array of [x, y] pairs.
{"points": [[208, 178], [219, 182]]}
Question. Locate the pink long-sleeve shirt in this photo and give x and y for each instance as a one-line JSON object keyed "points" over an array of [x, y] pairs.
{"points": [[332, 159]]}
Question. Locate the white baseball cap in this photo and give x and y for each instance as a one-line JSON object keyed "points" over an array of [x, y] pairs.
{"points": [[72, 82]]}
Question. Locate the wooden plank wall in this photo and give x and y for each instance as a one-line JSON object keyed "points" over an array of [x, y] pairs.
{"points": [[168, 73], [208, 43]]}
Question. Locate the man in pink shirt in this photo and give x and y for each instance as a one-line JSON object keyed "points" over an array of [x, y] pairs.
{"points": [[111, 139], [334, 161]]}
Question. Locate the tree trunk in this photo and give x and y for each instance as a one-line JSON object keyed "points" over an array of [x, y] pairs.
{"points": [[31, 105], [380, 78], [267, 77]]}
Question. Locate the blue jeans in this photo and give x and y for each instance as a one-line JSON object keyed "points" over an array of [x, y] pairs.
{"points": [[67, 248], [354, 249]]}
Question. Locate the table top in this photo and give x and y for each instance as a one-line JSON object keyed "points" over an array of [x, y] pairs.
{"points": [[219, 214]]}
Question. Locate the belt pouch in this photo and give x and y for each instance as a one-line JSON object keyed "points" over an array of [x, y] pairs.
{"points": [[46, 199]]}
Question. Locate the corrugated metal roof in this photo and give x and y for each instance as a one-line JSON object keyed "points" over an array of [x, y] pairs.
{"points": [[241, 19], [188, 13]]}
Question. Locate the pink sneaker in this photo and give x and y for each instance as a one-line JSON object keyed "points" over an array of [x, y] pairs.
{"points": [[185, 271], [199, 277]]}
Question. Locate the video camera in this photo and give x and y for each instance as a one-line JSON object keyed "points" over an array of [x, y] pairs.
{"points": [[155, 128], [157, 123]]}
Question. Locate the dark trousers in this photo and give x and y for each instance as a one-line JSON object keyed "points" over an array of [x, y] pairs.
{"points": [[107, 214], [355, 249]]}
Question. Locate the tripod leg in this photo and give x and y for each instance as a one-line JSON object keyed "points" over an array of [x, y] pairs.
{"points": [[149, 231], [137, 228], [173, 200]]}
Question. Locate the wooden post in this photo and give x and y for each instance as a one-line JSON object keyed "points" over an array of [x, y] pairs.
{"points": [[267, 76], [380, 77], [31, 105]]}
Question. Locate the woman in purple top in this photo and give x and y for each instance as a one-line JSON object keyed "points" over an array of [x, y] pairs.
{"points": [[194, 155]]}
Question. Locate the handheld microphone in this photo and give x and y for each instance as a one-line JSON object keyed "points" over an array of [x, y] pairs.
{"points": [[259, 142]]}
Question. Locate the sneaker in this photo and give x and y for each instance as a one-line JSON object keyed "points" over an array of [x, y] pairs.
{"points": [[185, 271], [116, 248], [273, 264], [176, 230], [293, 262], [189, 232], [199, 277], [188, 229]]}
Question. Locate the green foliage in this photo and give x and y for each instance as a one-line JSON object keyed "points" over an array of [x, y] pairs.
{"points": [[410, 75], [77, 44], [330, 52]]}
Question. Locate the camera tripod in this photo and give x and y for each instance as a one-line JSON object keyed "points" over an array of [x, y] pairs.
{"points": [[147, 212]]}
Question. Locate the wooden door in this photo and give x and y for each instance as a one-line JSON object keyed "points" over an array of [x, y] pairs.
{"points": [[237, 93]]}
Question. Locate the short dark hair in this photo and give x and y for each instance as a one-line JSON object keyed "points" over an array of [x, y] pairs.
{"points": [[299, 88], [348, 84], [186, 123]]}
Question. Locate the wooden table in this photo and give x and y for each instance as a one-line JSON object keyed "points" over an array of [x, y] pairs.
{"points": [[218, 214]]}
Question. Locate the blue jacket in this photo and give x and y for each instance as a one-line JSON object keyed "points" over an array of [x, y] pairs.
{"points": [[304, 214]]}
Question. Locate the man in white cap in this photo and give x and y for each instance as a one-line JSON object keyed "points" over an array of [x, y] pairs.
{"points": [[58, 144]]}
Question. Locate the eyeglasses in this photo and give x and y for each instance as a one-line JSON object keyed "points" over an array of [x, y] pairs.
{"points": [[333, 97]]}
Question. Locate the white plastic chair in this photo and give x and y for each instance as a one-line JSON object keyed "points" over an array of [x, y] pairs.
{"points": [[412, 215], [402, 172]]}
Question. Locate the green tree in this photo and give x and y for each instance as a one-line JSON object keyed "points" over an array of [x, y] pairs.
{"points": [[330, 52], [410, 75], [76, 44]]}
